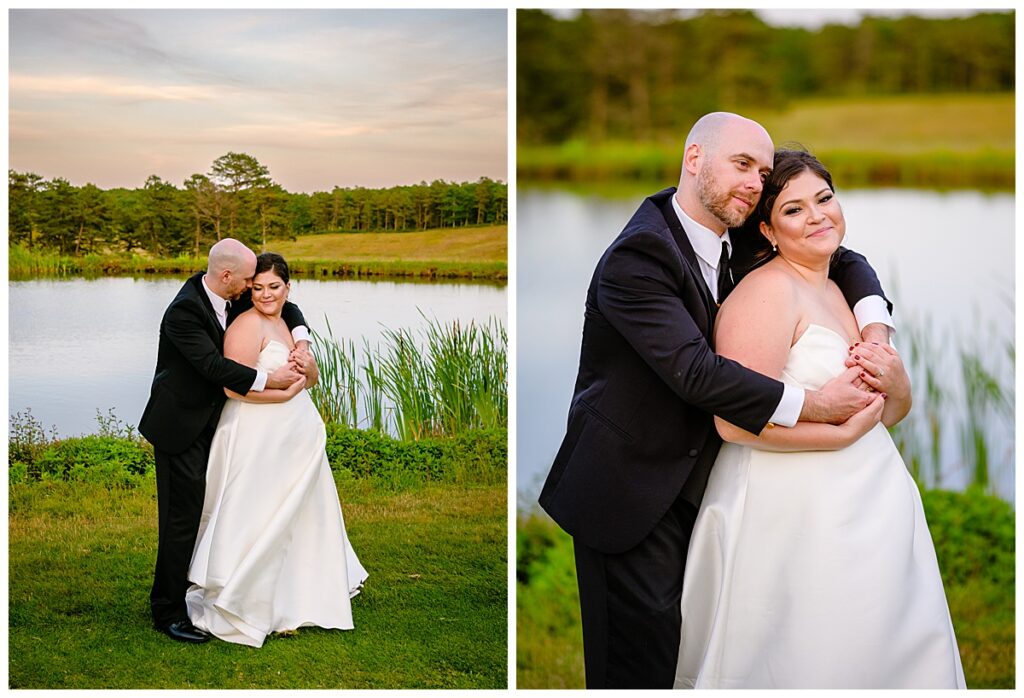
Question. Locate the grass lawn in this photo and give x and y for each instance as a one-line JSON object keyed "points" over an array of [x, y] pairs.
{"points": [[433, 613], [484, 244]]}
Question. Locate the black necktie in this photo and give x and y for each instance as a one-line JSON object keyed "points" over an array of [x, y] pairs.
{"points": [[725, 283]]}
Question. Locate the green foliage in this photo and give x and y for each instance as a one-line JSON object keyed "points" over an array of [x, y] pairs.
{"points": [[974, 536], [116, 457], [106, 459], [968, 404], [575, 80], [27, 438], [452, 381], [24, 263], [476, 456], [237, 198]]}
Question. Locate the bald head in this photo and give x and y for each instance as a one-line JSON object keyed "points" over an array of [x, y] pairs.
{"points": [[711, 129], [725, 161], [230, 268], [229, 255]]}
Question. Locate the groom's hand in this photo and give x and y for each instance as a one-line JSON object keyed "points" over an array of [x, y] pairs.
{"points": [[876, 333], [837, 401], [283, 377]]}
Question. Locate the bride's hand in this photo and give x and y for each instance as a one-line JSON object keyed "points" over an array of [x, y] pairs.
{"points": [[296, 387], [864, 421], [881, 367]]}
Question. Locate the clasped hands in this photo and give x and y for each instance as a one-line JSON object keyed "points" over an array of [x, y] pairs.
{"points": [[875, 373], [300, 371]]}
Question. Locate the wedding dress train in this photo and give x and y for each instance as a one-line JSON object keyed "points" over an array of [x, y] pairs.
{"points": [[272, 553], [814, 569]]}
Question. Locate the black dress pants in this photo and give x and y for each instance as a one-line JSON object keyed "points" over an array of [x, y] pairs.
{"points": [[630, 605], [180, 490]]}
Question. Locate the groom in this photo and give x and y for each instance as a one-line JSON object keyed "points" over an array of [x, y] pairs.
{"points": [[629, 476], [184, 406]]}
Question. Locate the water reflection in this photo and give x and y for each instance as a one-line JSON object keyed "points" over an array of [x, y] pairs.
{"points": [[948, 282], [81, 344]]}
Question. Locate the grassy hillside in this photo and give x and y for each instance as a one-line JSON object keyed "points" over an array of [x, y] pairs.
{"points": [[917, 140], [457, 253], [486, 244]]}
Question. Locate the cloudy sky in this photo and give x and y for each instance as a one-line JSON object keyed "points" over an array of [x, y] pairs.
{"points": [[323, 98]]}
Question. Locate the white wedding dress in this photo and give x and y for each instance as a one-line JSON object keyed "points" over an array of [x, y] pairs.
{"points": [[814, 569], [272, 553]]}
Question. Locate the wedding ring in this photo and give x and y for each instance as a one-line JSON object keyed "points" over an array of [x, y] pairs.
{"points": [[881, 372]]}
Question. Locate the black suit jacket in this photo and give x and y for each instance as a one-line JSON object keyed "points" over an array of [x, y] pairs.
{"points": [[191, 371], [640, 421]]}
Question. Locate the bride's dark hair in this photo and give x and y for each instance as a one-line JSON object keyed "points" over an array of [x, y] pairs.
{"points": [[271, 261], [789, 162]]}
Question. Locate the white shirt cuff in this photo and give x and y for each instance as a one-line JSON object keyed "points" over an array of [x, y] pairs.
{"points": [[872, 309], [301, 334], [261, 381], [787, 414]]}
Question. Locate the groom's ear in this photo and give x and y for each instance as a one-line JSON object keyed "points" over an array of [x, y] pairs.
{"points": [[692, 157]]}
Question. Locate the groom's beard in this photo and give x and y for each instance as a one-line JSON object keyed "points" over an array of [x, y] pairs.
{"points": [[717, 202]]}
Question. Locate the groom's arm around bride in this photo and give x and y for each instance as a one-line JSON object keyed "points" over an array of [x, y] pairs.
{"points": [[628, 478]]}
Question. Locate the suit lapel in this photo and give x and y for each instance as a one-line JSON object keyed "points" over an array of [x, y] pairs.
{"points": [[683, 243]]}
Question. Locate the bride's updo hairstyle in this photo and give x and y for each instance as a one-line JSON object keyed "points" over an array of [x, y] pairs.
{"points": [[788, 163], [271, 261]]}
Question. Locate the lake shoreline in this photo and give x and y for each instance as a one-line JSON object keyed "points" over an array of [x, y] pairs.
{"points": [[27, 264], [581, 162]]}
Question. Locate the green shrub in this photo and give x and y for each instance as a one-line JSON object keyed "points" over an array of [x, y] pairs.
{"points": [[106, 459], [17, 472], [477, 456], [974, 536], [27, 438]]}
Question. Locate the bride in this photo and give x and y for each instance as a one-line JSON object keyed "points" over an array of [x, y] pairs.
{"points": [[272, 553], [811, 565]]}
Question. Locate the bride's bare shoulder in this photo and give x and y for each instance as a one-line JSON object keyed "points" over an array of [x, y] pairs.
{"points": [[769, 283], [248, 323]]}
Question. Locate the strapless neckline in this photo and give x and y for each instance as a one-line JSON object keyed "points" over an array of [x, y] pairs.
{"points": [[829, 330], [815, 358]]}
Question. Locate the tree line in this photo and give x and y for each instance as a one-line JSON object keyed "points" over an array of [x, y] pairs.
{"points": [[645, 74], [236, 198]]}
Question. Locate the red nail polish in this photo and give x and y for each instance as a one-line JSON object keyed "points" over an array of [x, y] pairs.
{"points": [[863, 375], [856, 356], [884, 396]]}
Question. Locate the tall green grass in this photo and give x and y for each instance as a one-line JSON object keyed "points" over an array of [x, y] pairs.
{"points": [[442, 380], [963, 393]]}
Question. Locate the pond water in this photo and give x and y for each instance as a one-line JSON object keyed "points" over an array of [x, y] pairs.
{"points": [[945, 259], [78, 345]]}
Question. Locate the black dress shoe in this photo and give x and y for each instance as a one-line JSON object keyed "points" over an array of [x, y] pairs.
{"points": [[184, 631]]}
